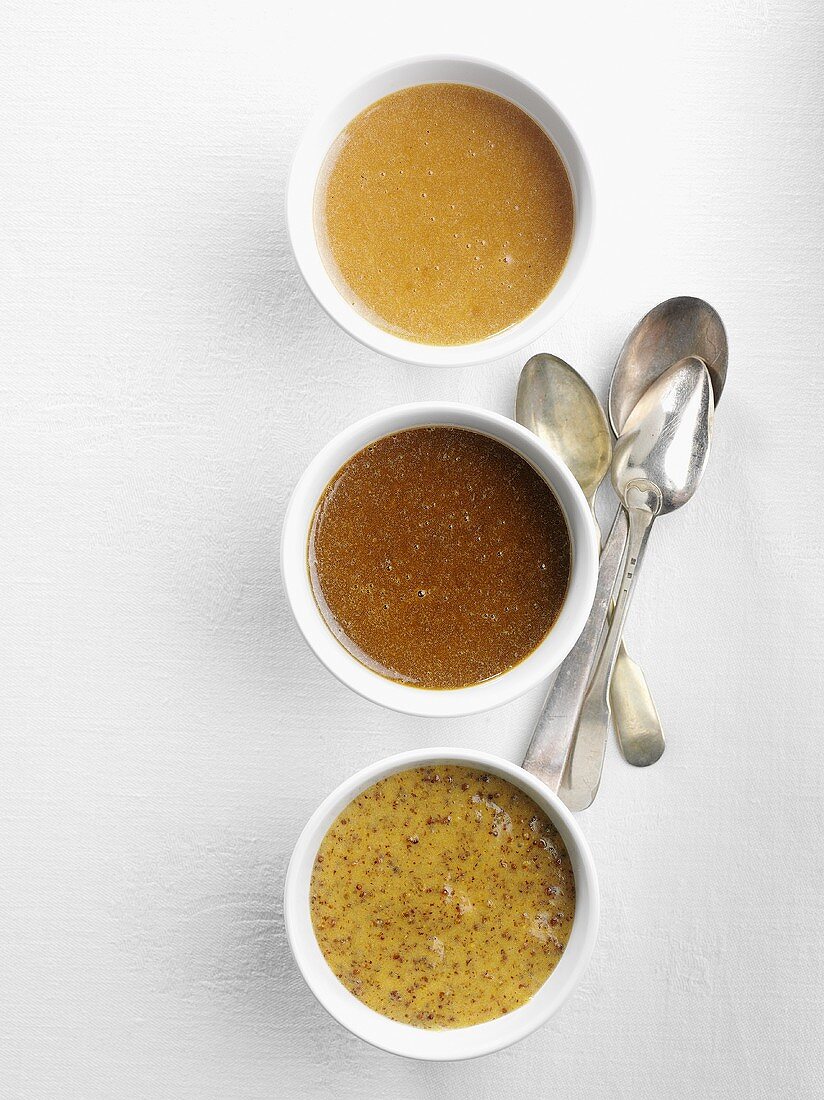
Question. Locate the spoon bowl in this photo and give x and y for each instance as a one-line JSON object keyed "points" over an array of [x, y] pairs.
{"points": [[558, 406], [673, 330], [666, 437]]}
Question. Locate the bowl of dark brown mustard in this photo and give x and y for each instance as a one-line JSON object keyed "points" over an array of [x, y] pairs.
{"points": [[438, 559]]}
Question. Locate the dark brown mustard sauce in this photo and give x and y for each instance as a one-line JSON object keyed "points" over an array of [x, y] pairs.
{"points": [[439, 557]]}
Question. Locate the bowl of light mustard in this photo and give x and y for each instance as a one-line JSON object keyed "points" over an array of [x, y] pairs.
{"points": [[441, 904], [441, 211]]}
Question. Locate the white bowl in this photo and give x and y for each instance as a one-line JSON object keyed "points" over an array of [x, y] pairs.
{"points": [[326, 126], [452, 1043], [403, 697]]}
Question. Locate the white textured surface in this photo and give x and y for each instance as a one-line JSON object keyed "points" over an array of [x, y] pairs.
{"points": [[165, 376]]}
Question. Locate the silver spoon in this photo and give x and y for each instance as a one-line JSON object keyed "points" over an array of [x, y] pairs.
{"points": [[658, 463], [688, 325], [671, 331], [555, 403]]}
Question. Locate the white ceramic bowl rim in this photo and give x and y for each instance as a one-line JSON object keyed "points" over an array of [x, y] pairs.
{"points": [[402, 697], [328, 123], [454, 1043]]}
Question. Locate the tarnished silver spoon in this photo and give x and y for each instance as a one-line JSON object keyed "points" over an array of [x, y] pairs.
{"points": [[671, 331], [558, 405], [657, 465]]}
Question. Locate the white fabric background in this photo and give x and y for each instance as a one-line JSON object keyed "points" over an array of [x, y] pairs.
{"points": [[165, 377]]}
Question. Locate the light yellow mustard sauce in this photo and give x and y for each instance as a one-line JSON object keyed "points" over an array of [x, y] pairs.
{"points": [[442, 897]]}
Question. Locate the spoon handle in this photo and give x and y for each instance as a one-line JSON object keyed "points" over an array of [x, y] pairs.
{"points": [[549, 747], [586, 762], [634, 714]]}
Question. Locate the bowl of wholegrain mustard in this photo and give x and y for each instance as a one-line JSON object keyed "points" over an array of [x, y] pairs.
{"points": [[441, 904]]}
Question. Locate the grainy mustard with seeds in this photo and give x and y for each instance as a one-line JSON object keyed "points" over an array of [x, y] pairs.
{"points": [[442, 897]]}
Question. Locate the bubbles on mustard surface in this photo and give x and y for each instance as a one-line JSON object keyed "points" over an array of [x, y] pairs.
{"points": [[475, 300]]}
